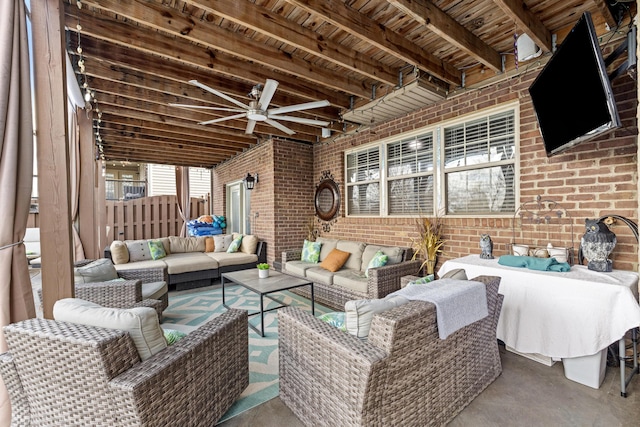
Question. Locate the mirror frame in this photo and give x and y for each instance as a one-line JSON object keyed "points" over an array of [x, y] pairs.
{"points": [[332, 212]]}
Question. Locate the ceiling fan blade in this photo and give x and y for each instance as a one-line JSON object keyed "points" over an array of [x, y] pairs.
{"points": [[267, 93], [280, 127], [221, 119], [299, 107], [301, 120], [204, 107], [220, 94], [251, 124]]}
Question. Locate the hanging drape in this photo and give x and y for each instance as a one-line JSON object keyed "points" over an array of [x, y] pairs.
{"points": [[184, 198], [16, 174], [74, 176]]}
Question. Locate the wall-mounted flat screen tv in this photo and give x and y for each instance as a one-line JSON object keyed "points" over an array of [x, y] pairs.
{"points": [[572, 95]]}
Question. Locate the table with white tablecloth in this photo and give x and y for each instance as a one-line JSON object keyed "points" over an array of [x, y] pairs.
{"points": [[560, 315]]}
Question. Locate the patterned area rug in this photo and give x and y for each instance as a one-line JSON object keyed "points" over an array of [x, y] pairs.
{"points": [[189, 310]]}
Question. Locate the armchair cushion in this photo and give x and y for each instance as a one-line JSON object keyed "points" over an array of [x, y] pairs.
{"points": [[359, 313], [100, 270], [140, 322]]}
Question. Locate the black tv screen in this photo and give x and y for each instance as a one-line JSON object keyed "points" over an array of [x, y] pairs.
{"points": [[572, 95]]}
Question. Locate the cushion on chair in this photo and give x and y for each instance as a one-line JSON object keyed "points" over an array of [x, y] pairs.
{"points": [[138, 250], [359, 313], [209, 244], [119, 252], [335, 260], [456, 273], [222, 242], [154, 290], [140, 322], [186, 244], [249, 244], [235, 244], [378, 260], [335, 319], [100, 270], [156, 248], [310, 251]]}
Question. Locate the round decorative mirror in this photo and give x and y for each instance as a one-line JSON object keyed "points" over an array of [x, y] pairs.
{"points": [[327, 200]]}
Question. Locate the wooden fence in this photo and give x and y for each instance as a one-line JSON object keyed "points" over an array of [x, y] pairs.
{"points": [[148, 217]]}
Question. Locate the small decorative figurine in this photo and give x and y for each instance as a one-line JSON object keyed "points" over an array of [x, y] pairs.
{"points": [[596, 245], [486, 246]]}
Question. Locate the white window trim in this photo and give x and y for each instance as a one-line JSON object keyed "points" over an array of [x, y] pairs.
{"points": [[438, 162]]}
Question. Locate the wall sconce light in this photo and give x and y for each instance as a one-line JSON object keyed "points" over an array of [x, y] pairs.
{"points": [[250, 182]]}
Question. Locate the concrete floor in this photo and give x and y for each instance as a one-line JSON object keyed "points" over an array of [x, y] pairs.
{"points": [[526, 394]]}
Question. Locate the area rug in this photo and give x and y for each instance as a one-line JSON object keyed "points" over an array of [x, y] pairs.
{"points": [[187, 311]]}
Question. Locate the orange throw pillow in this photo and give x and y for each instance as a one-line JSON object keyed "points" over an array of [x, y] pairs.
{"points": [[209, 244], [335, 260]]}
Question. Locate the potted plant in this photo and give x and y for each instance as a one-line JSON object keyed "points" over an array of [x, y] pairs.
{"points": [[263, 270], [429, 243]]}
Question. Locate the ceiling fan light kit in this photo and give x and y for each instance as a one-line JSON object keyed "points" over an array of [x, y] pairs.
{"points": [[257, 110]]}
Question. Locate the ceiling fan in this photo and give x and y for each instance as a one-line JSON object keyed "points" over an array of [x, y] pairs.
{"points": [[258, 108]]}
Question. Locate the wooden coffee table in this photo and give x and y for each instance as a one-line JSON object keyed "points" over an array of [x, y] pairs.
{"points": [[276, 282]]}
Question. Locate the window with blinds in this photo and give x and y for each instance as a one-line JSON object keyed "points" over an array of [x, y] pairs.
{"points": [[479, 165], [363, 182], [410, 176]]}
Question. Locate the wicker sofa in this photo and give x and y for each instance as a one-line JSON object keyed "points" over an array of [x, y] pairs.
{"points": [[187, 263], [404, 375], [350, 282], [60, 373]]}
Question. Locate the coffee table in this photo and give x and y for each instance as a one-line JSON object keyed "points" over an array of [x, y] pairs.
{"points": [[276, 282]]}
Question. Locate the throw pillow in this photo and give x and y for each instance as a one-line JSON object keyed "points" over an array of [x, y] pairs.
{"points": [[140, 322], [311, 251], [156, 248], [456, 273], [359, 313], [335, 319], [222, 242], [138, 250], [100, 270], [422, 281], [186, 244], [378, 260], [235, 244], [119, 252], [249, 244], [209, 244], [172, 336], [335, 260]]}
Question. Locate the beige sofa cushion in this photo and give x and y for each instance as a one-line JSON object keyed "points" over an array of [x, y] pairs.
{"points": [[100, 270], [157, 263], [225, 259], [249, 244], [180, 245], [222, 242], [298, 268], [141, 322], [188, 262], [355, 249], [327, 246], [393, 252], [119, 252], [353, 280], [166, 243], [138, 250], [359, 313], [319, 275]]}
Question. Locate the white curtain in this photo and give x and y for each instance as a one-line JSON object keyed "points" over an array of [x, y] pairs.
{"points": [[184, 198], [74, 176]]}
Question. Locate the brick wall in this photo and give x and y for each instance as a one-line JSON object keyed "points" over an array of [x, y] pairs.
{"points": [[592, 179]]}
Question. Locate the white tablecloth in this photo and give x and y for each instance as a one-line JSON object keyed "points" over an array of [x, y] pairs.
{"points": [[559, 315]]}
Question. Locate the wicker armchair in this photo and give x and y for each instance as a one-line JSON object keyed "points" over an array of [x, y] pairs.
{"points": [[405, 375], [61, 373]]}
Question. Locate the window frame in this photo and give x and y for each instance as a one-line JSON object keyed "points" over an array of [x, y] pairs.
{"points": [[439, 172]]}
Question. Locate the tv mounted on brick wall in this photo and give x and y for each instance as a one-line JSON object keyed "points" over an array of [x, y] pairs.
{"points": [[572, 95]]}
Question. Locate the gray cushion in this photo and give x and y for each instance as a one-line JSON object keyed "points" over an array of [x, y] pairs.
{"points": [[154, 290], [456, 273], [320, 275], [138, 250], [351, 279], [355, 249], [100, 270], [393, 252], [327, 246], [298, 268], [359, 313]]}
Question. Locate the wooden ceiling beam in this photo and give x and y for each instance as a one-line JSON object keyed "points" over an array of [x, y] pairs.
{"points": [[427, 14], [228, 46], [266, 22], [603, 7], [154, 155], [527, 21], [351, 21]]}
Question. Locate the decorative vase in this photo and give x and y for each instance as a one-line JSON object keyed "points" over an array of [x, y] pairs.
{"points": [[263, 274], [431, 266]]}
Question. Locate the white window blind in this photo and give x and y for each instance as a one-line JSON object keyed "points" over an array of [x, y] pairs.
{"points": [[363, 182], [479, 162]]}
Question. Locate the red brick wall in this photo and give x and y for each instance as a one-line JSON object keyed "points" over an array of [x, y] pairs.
{"points": [[592, 179]]}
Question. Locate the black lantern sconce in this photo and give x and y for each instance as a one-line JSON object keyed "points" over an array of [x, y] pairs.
{"points": [[250, 182]]}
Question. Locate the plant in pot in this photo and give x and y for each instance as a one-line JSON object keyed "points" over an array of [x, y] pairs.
{"points": [[263, 270], [429, 243]]}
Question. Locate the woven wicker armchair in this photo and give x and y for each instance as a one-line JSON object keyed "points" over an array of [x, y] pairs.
{"points": [[404, 375], [63, 374]]}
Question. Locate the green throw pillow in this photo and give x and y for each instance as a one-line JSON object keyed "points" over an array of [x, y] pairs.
{"points": [[335, 319], [311, 251], [378, 260], [422, 280], [235, 245], [172, 336], [156, 248]]}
